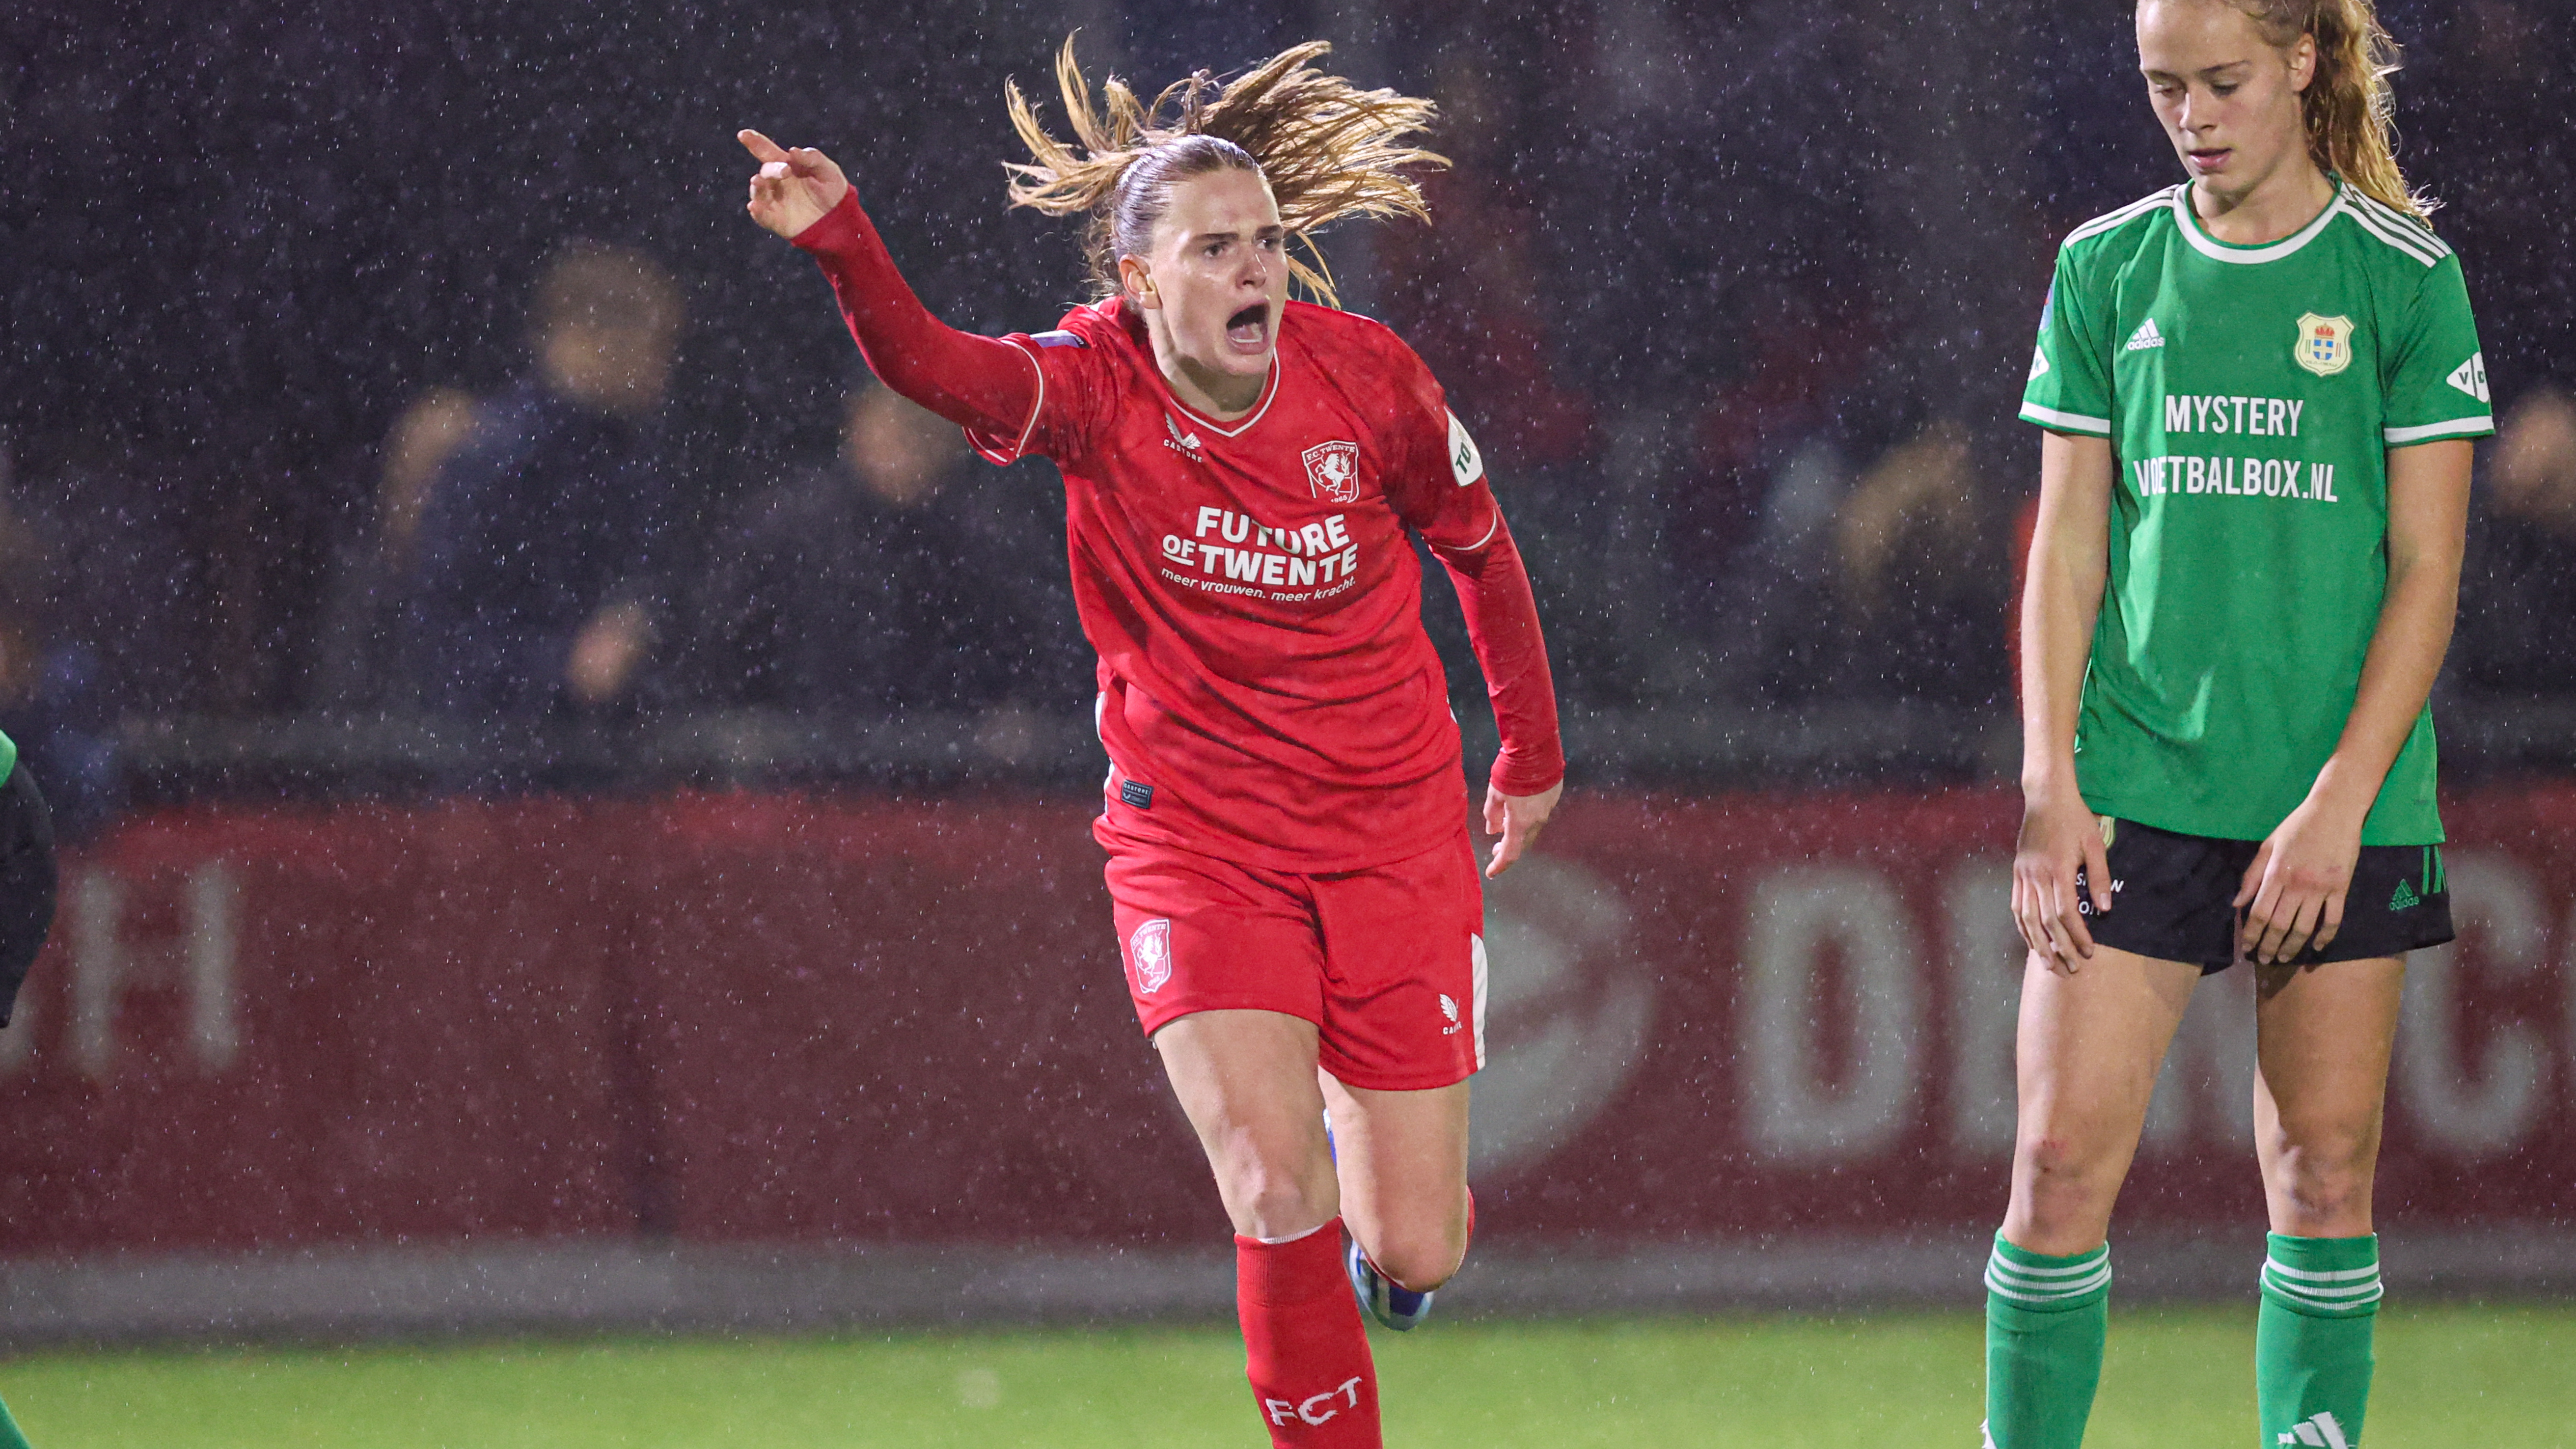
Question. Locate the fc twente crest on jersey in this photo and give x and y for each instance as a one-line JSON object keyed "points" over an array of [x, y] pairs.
{"points": [[1334, 471], [2325, 344], [1151, 950]]}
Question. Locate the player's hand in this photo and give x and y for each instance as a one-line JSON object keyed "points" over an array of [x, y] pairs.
{"points": [[794, 189], [2058, 834], [2292, 895], [1518, 820]]}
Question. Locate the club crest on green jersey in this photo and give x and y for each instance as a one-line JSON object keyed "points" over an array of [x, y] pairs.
{"points": [[2325, 344]]}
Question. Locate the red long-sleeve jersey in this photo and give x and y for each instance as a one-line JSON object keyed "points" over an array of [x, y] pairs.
{"points": [[1266, 690]]}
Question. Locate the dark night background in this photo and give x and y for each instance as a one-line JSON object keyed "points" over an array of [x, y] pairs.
{"points": [[1686, 247]]}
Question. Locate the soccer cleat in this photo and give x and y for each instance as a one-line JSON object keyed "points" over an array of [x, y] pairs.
{"points": [[1390, 1303]]}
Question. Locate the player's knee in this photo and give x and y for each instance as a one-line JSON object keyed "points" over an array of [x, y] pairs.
{"points": [[1275, 1200], [2061, 1166], [2063, 1185], [1420, 1259], [2324, 1172]]}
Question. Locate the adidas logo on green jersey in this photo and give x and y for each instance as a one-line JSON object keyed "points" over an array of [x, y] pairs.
{"points": [[2145, 337], [2405, 899]]}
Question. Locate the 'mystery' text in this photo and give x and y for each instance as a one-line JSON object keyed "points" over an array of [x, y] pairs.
{"points": [[2256, 417]]}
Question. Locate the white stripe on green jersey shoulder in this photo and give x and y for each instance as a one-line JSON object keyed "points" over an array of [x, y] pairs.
{"points": [[2476, 427], [2420, 230], [2114, 220], [2399, 230], [2215, 250], [2032, 412]]}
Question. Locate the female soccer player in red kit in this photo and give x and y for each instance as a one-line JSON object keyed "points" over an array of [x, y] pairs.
{"points": [[1289, 862]]}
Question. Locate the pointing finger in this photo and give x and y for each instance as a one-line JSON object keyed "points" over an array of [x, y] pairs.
{"points": [[761, 147]]}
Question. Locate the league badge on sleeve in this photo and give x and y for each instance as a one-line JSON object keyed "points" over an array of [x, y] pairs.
{"points": [[2471, 376], [1465, 463], [2325, 344], [1333, 470]]}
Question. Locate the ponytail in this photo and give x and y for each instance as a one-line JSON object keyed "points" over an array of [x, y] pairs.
{"points": [[2348, 106], [1327, 150]]}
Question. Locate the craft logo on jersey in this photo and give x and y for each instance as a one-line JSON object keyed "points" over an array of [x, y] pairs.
{"points": [[1150, 949], [2325, 344], [1333, 469]]}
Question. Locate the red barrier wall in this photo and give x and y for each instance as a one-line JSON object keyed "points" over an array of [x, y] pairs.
{"points": [[741, 1017]]}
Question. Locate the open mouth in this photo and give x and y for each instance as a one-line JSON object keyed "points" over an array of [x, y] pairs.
{"points": [[1248, 331]]}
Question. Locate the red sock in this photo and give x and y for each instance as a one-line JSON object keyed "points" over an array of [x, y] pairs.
{"points": [[1304, 1349]]}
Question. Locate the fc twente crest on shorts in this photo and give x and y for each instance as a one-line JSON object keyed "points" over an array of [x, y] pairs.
{"points": [[1150, 949], [2325, 344], [1334, 471]]}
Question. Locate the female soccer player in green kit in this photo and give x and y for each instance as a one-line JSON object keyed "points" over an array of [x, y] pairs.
{"points": [[27, 881], [2259, 388]]}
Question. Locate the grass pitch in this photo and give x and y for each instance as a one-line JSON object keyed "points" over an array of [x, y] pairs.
{"points": [[2498, 1378]]}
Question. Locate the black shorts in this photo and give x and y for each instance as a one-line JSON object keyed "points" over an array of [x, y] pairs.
{"points": [[2172, 899]]}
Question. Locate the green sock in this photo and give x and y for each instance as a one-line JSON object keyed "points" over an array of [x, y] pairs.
{"points": [[2312, 1340], [10, 1438], [2045, 1320]]}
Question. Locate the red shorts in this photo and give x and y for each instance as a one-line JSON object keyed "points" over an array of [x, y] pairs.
{"points": [[1388, 963]]}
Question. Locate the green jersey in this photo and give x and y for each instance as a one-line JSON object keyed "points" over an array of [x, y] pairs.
{"points": [[8, 758], [2251, 395]]}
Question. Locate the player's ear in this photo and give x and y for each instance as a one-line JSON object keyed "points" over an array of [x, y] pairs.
{"points": [[1137, 280], [2303, 62]]}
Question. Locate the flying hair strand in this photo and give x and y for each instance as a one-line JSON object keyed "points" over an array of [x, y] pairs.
{"points": [[1328, 150]]}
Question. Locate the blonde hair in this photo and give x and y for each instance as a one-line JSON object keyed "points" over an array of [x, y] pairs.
{"points": [[1327, 149], [2348, 106]]}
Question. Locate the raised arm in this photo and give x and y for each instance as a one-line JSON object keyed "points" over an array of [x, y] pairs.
{"points": [[2070, 559], [982, 384], [1502, 623]]}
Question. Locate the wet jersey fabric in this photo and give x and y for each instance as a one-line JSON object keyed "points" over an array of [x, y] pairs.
{"points": [[1266, 688], [1267, 693], [2251, 395]]}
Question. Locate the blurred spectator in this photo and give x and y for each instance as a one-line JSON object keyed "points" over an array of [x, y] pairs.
{"points": [[88, 591], [538, 540], [1802, 359], [1471, 294], [2518, 588], [1871, 584], [892, 579], [373, 573]]}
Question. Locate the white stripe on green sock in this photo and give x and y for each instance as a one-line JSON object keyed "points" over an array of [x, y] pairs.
{"points": [[2313, 1352], [2046, 1317]]}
